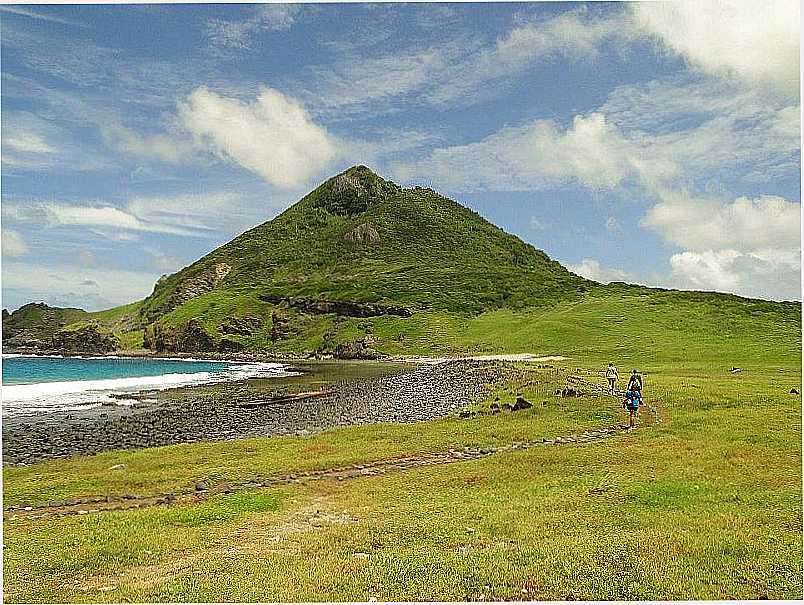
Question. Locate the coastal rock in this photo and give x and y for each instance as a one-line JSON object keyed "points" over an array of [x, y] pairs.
{"points": [[228, 345], [357, 349], [85, 338]]}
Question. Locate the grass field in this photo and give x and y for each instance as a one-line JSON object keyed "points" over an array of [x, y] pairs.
{"points": [[705, 504]]}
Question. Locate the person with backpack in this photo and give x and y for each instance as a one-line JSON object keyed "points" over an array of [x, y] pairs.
{"points": [[633, 398], [612, 376], [634, 382]]}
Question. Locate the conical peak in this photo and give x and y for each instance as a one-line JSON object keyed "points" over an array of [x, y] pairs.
{"points": [[353, 191]]}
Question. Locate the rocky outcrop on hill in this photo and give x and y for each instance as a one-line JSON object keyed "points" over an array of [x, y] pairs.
{"points": [[358, 349], [354, 191], [31, 327], [366, 232], [87, 338], [317, 306], [190, 288], [242, 326], [188, 338]]}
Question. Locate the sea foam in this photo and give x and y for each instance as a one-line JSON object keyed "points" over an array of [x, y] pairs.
{"points": [[23, 399]]}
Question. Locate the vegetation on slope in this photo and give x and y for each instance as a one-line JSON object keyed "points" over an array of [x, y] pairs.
{"points": [[471, 287], [706, 504]]}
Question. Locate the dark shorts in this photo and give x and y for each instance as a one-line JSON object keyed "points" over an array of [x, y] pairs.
{"points": [[632, 407]]}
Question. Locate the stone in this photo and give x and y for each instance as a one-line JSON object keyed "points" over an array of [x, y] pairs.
{"points": [[794, 391], [521, 404]]}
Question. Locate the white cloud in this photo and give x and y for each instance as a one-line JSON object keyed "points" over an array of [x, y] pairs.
{"points": [[164, 147], [208, 215], [237, 35], [750, 247], [13, 243], [104, 217], [272, 136], [765, 273], [540, 155], [90, 288], [711, 128], [464, 69], [746, 224], [591, 269], [17, 10], [572, 34], [757, 41]]}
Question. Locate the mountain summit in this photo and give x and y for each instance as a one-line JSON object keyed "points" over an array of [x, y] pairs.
{"points": [[360, 239], [361, 265]]}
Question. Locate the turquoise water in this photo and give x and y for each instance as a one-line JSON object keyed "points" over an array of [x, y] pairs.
{"points": [[34, 370], [43, 384]]}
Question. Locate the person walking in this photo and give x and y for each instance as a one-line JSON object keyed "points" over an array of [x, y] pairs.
{"points": [[612, 376], [634, 382], [633, 398]]}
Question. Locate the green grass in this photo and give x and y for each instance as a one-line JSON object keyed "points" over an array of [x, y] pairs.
{"points": [[705, 504]]}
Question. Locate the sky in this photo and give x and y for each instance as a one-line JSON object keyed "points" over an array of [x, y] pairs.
{"points": [[654, 143]]}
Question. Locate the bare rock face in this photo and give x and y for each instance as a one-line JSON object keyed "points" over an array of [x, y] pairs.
{"points": [[86, 339], [191, 287], [367, 233], [317, 306], [189, 338], [357, 349]]}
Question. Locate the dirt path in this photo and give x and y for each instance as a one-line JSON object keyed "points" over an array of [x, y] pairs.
{"points": [[97, 504]]}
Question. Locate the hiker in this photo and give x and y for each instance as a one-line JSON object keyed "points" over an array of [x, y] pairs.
{"points": [[631, 403], [611, 374], [633, 397], [634, 382]]}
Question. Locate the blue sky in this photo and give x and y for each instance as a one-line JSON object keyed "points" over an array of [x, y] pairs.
{"points": [[655, 143]]}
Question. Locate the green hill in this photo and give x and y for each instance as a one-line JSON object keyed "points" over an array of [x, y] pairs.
{"points": [[362, 265]]}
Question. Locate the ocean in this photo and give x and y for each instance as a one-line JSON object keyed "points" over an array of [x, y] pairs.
{"points": [[34, 384]]}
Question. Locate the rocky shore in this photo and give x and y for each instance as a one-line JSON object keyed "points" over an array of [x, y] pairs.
{"points": [[409, 393]]}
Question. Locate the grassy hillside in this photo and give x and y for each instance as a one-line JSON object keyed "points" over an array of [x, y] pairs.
{"points": [[705, 504], [470, 287]]}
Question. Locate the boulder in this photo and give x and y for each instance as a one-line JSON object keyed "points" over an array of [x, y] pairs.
{"points": [[521, 404]]}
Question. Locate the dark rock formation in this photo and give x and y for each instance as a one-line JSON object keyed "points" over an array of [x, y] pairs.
{"points": [[84, 339], [32, 326], [228, 345], [521, 404], [189, 338], [242, 326], [315, 306], [279, 327], [357, 349]]}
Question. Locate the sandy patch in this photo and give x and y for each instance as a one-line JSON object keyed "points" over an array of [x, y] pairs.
{"points": [[503, 357]]}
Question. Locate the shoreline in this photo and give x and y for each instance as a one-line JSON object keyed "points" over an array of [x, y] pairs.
{"points": [[357, 393]]}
